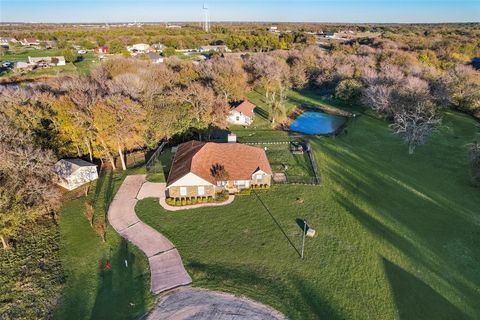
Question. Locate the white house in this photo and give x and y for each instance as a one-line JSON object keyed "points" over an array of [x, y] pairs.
{"points": [[139, 48], [47, 61], [216, 48], [73, 173], [242, 114]]}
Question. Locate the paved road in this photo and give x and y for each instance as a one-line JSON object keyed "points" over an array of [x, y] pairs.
{"points": [[166, 266], [201, 304]]}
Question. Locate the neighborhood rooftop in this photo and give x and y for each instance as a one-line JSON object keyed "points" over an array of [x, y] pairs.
{"points": [[239, 161], [245, 107]]}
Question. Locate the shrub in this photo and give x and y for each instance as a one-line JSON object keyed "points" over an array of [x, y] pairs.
{"points": [[188, 202], [210, 199], [178, 202], [183, 202], [194, 200], [245, 192]]}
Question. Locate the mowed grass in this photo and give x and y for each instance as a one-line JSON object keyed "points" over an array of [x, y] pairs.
{"points": [[91, 292], [397, 234]]}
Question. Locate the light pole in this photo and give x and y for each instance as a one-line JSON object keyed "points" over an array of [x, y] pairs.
{"points": [[304, 232]]}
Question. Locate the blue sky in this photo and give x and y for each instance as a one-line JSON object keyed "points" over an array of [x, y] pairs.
{"points": [[247, 10]]}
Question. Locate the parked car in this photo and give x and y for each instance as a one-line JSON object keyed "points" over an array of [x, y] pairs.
{"points": [[7, 64], [82, 51]]}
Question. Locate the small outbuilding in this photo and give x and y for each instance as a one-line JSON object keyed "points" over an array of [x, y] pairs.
{"points": [[73, 173]]}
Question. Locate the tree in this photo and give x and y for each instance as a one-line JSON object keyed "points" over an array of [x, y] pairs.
{"points": [[120, 125], [464, 89], [415, 123], [168, 52], [349, 90], [69, 55], [475, 161], [89, 211], [26, 190], [226, 77]]}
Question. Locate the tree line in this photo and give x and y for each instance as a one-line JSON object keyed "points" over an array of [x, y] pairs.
{"points": [[126, 104]]}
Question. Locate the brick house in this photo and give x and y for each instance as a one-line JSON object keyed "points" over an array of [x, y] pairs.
{"points": [[201, 169]]}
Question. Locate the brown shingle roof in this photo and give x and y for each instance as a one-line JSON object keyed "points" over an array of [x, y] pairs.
{"points": [[239, 161], [246, 107]]}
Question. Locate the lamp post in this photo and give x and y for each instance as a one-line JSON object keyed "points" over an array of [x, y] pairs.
{"points": [[304, 233]]}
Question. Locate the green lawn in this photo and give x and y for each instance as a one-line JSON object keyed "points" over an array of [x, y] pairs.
{"points": [[397, 234], [91, 292]]}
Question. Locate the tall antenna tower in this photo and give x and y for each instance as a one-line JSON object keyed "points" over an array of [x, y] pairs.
{"points": [[206, 18]]}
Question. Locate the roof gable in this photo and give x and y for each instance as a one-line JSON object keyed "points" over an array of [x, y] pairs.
{"points": [[245, 107]]}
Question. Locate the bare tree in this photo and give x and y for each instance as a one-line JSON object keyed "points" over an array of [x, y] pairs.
{"points": [[475, 161], [415, 124]]}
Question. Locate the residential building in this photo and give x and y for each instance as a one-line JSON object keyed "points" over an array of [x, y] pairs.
{"points": [[47, 61], [101, 50], [30, 42], [201, 169], [139, 48], [155, 57], [216, 48], [242, 114], [73, 173]]}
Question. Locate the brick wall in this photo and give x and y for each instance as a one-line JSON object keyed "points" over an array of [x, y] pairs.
{"points": [[192, 191]]}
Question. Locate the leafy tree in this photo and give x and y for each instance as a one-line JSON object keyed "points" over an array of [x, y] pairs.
{"points": [[69, 55], [349, 90], [168, 52]]}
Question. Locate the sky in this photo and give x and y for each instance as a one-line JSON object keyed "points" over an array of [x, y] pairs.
{"points": [[354, 11]]}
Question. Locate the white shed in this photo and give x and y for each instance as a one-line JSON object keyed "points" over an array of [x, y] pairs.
{"points": [[72, 173]]}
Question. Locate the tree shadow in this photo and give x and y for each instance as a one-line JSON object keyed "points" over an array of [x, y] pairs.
{"points": [[415, 299], [293, 295], [121, 290]]}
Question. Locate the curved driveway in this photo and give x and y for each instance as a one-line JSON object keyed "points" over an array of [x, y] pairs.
{"points": [[166, 266]]}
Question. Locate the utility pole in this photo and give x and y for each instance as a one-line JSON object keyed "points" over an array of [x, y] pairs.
{"points": [[304, 233]]}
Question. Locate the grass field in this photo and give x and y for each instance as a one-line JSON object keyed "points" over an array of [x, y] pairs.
{"points": [[91, 292], [397, 234]]}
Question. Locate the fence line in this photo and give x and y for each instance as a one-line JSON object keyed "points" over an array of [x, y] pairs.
{"points": [[313, 161], [155, 155]]}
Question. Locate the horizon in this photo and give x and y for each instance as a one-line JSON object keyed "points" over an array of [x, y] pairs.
{"points": [[188, 11]]}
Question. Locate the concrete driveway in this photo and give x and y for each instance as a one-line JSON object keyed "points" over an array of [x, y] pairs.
{"points": [[166, 265], [201, 304]]}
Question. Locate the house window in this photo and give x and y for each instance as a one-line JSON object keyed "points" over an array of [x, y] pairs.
{"points": [[201, 191], [238, 118], [183, 191], [259, 177], [240, 183]]}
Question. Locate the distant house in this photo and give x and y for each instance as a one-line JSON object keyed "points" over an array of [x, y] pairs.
{"points": [[273, 29], [139, 48], [201, 169], [47, 61], [6, 41], [30, 42], [73, 173], [242, 114], [219, 48], [154, 57], [101, 50]]}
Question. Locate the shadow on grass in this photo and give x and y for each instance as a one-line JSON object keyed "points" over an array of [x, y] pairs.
{"points": [[278, 224], [417, 300], [293, 295], [121, 292]]}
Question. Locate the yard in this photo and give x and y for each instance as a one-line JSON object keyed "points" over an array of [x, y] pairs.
{"points": [[396, 233], [91, 292]]}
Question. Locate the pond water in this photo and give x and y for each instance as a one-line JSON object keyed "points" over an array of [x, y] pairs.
{"points": [[315, 122]]}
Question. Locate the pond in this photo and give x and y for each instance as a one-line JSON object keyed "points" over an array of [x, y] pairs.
{"points": [[316, 122]]}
